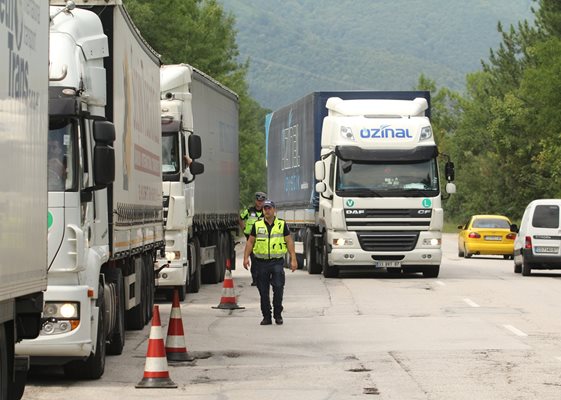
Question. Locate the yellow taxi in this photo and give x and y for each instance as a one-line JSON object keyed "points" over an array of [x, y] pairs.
{"points": [[486, 235]]}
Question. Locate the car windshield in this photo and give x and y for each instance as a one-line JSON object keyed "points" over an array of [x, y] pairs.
{"points": [[493, 223]]}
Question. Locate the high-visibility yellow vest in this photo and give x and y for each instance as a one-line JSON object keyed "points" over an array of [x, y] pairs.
{"points": [[250, 215], [269, 244]]}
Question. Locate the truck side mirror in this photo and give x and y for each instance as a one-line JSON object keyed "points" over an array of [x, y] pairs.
{"points": [[196, 168], [103, 132], [104, 165], [195, 147], [449, 171], [321, 187], [104, 153], [319, 172]]}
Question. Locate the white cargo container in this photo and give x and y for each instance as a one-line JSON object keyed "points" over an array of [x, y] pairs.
{"points": [[106, 206], [23, 182]]}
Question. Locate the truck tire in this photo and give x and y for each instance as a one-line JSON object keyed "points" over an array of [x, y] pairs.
{"points": [[94, 366], [194, 258], [328, 271], [114, 276], [310, 253], [517, 268], [224, 254], [3, 363], [431, 271]]}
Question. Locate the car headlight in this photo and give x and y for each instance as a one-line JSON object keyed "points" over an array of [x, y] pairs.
{"points": [[59, 310]]}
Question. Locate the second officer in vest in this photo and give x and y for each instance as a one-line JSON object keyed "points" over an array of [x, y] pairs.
{"points": [[270, 240]]}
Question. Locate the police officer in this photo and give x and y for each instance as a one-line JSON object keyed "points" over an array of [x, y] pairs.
{"points": [[269, 240], [247, 219]]}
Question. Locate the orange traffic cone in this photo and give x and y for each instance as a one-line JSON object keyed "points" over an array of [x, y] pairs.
{"points": [[175, 340], [228, 300], [156, 374]]}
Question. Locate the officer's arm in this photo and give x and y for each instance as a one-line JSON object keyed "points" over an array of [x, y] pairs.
{"points": [[292, 252], [247, 250], [243, 217]]}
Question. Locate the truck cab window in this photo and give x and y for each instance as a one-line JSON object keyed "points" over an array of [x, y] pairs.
{"points": [[61, 154], [170, 154], [414, 176]]}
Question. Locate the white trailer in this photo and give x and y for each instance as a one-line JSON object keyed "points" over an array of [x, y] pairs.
{"points": [[23, 182], [104, 187], [201, 214]]}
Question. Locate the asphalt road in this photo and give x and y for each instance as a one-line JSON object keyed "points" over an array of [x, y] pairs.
{"points": [[478, 331]]}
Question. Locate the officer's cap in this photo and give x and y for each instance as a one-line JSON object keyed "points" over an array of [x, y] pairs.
{"points": [[268, 203], [260, 196]]}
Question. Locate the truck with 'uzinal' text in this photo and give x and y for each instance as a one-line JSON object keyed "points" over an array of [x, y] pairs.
{"points": [[104, 186], [24, 63], [356, 176]]}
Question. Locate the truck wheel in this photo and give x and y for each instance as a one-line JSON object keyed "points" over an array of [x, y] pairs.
{"points": [[117, 338], [94, 366], [3, 363], [211, 272], [224, 254], [460, 252], [193, 254], [431, 272], [328, 271], [310, 251]]}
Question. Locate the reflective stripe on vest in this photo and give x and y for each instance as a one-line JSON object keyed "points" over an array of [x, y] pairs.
{"points": [[269, 244]]}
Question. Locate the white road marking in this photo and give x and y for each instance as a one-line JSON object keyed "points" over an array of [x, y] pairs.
{"points": [[516, 331], [558, 358], [440, 283], [471, 303]]}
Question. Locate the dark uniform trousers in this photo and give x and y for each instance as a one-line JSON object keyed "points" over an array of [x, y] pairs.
{"points": [[270, 272]]}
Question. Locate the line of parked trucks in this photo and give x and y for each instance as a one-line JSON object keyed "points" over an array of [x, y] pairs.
{"points": [[135, 166], [94, 130]]}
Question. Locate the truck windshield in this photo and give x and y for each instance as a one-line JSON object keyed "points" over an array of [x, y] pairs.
{"points": [[419, 178], [61, 154], [170, 153]]}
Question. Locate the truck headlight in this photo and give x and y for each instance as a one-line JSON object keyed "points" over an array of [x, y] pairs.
{"points": [[432, 242], [61, 310], [60, 317], [173, 255], [340, 242]]}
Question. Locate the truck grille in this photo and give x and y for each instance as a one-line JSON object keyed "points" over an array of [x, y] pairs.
{"points": [[365, 219], [388, 241]]}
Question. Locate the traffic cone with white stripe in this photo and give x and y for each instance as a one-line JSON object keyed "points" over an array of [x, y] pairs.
{"points": [[156, 374], [175, 340], [228, 300]]}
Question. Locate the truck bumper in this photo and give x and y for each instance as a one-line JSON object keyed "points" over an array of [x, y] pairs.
{"points": [[76, 343], [172, 274], [427, 252]]}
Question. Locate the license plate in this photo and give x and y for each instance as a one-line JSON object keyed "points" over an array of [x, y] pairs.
{"points": [[493, 238], [388, 264], [546, 249]]}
